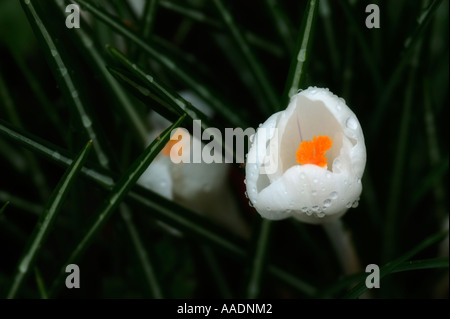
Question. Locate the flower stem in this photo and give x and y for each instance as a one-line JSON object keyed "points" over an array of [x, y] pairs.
{"points": [[343, 246]]}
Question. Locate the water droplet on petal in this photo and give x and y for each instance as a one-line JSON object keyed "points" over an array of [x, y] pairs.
{"points": [[348, 205], [327, 203], [355, 204], [351, 123], [328, 174], [250, 203], [314, 192], [302, 176], [321, 215], [268, 208], [333, 195], [308, 212], [304, 209], [359, 180], [315, 208], [315, 180]]}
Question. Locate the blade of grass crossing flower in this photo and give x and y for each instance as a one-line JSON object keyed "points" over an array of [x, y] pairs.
{"points": [[46, 220], [266, 88], [116, 196], [205, 92], [161, 208], [67, 84], [258, 264], [297, 70], [390, 267]]}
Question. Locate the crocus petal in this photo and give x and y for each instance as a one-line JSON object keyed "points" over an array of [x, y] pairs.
{"points": [[278, 187]]}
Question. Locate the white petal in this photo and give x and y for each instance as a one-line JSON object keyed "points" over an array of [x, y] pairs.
{"points": [[157, 177]]}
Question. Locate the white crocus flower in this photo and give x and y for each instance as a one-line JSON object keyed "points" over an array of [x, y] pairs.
{"points": [[308, 160], [200, 187]]}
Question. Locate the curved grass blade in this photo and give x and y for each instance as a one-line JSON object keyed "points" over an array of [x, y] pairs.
{"points": [[296, 78], [161, 208], [266, 88], [205, 92], [40, 284], [68, 85], [46, 220], [390, 267], [116, 196], [259, 259]]}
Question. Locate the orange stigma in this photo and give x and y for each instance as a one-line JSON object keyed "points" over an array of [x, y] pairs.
{"points": [[313, 152], [168, 147]]}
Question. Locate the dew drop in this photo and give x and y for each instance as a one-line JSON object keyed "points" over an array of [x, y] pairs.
{"points": [[63, 71], [86, 121], [246, 195], [308, 212], [314, 192], [302, 56], [359, 180], [250, 203], [245, 181], [302, 176], [56, 155], [315, 180], [304, 209], [321, 215], [348, 205], [315, 208], [149, 78], [268, 208], [251, 138], [333, 195], [327, 203], [355, 204], [75, 94], [54, 52], [328, 175], [351, 123]]}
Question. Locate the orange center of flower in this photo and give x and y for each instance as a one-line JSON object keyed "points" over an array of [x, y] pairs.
{"points": [[313, 152]]}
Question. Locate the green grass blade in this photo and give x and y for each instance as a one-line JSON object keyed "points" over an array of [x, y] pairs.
{"points": [[118, 94], [432, 263], [51, 152], [70, 87], [3, 207], [397, 75], [259, 259], [148, 269], [297, 70], [40, 284], [204, 92], [46, 220], [281, 22], [161, 208], [390, 267], [266, 88], [116, 196], [374, 70], [396, 187]]}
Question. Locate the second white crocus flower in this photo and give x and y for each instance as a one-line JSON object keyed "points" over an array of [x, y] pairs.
{"points": [[308, 160]]}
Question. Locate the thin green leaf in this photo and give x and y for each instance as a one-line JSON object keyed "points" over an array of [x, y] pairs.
{"points": [[390, 267], [40, 283], [149, 272], [281, 22], [46, 221], [226, 111], [98, 64], [374, 70], [396, 190], [69, 86], [397, 75], [261, 78], [116, 196], [296, 76], [3, 207], [433, 263], [259, 259]]}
